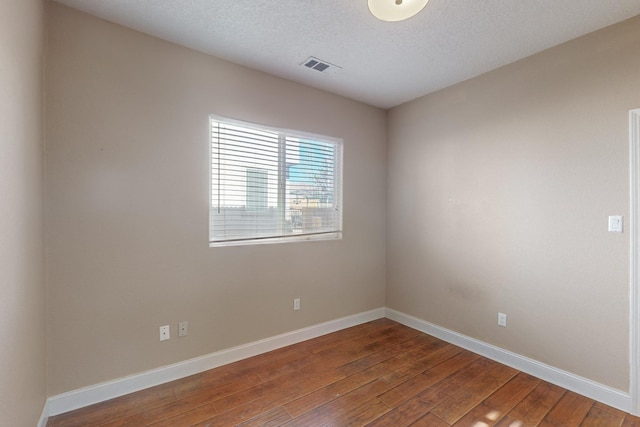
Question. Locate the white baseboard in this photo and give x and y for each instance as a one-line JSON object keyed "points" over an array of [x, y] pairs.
{"points": [[75, 399], [86, 396], [586, 387], [44, 417]]}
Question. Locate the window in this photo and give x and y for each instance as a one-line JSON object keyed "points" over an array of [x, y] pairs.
{"points": [[272, 185]]}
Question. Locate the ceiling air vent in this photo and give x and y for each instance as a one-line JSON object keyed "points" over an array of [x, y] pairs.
{"points": [[320, 65]]}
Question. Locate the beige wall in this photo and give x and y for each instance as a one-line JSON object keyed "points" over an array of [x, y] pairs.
{"points": [[498, 194], [127, 216], [499, 190], [22, 287]]}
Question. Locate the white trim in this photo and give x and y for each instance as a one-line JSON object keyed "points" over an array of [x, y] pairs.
{"points": [[634, 267], [44, 417], [602, 393], [75, 399]]}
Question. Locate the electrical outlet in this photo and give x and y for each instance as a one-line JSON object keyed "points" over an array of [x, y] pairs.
{"points": [[502, 320], [164, 333], [296, 304], [183, 329]]}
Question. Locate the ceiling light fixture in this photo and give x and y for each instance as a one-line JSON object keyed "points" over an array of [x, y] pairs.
{"points": [[396, 10]]}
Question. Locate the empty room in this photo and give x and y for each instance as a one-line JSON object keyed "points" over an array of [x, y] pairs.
{"points": [[320, 213]]}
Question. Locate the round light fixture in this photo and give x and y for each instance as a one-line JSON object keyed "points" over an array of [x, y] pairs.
{"points": [[396, 10]]}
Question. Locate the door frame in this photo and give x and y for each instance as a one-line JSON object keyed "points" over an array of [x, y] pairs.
{"points": [[634, 261]]}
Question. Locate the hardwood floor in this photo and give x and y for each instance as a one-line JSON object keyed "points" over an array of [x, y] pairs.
{"points": [[380, 373]]}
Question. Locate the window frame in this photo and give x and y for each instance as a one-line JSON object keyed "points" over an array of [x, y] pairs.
{"points": [[282, 178]]}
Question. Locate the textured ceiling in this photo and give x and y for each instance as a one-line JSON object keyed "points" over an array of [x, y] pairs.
{"points": [[383, 64]]}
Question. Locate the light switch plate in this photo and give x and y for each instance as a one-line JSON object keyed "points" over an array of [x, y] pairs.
{"points": [[502, 320], [615, 223]]}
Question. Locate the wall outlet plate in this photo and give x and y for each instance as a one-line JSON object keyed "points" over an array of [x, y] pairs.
{"points": [[164, 333], [183, 329], [296, 304]]}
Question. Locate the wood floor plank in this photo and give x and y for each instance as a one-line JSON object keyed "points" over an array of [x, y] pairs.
{"points": [[257, 364], [223, 385], [363, 346], [513, 392], [340, 348], [340, 387], [412, 409], [188, 418], [439, 388], [421, 343], [598, 417], [495, 407], [380, 373], [570, 410], [430, 420], [245, 412], [328, 412], [631, 421], [118, 408], [614, 411], [474, 392], [446, 364], [375, 328], [205, 395], [434, 357], [382, 369], [512, 422], [145, 418], [278, 393], [537, 404], [443, 395], [275, 417], [360, 415], [194, 402], [311, 377]]}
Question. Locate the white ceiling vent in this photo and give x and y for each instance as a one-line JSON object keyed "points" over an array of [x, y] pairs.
{"points": [[320, 65]]}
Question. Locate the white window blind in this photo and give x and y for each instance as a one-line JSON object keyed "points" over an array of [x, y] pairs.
{"points": [[273, 185]]}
